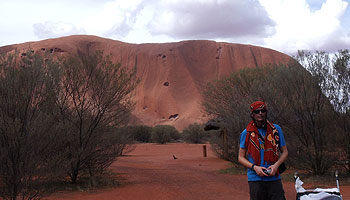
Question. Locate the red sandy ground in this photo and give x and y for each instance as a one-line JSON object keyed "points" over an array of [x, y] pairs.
{"points": [[150, 172]]}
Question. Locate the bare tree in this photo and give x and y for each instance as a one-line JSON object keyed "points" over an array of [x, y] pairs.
{"points": [[228, 101], [93, 100], [27, 131], [306, 114], [295, 101], [340, 97], [323, 137]]}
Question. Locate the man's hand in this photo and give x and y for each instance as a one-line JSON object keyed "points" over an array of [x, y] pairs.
{"points": [[274, 170], [260, 170]]}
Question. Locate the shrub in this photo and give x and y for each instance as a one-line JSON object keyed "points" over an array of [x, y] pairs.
{"points": [[138, 133], [164, 133], [28, 132], [141, 133], [95, 95], [195, 133]]}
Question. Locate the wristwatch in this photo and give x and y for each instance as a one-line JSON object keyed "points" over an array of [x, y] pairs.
{"points": [[253, 166]]}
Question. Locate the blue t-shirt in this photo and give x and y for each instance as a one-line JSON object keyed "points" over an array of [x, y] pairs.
{"points": [[252, 175]]}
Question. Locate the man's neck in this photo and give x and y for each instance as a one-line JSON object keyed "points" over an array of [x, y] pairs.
{"points": [[260, 124]]}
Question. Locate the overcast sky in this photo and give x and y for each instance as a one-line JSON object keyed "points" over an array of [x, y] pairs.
{"points": [[283, 25]]}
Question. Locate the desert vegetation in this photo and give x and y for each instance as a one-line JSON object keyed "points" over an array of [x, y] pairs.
{"points": [[164, 133], [309, 98], [66, 119], [60, 118], [196, 134]]}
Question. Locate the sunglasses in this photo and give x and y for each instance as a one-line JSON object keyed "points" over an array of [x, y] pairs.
{"points": [[258, 111]]}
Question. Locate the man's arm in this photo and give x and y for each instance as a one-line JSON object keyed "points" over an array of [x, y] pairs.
{"points": [[242, 159], [281, 159]]}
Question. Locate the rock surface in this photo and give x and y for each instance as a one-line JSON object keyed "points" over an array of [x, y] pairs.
{"points": [[172, 74]]}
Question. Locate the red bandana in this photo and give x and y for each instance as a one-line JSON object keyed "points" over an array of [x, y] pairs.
{"points": [[270, 144], [256, 105]]}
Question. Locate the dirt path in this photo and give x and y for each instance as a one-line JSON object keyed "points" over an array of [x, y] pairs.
{"points": [[151, 172]]}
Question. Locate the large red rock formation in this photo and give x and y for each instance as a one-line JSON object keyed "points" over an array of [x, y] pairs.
{"points": [[172, 74]]}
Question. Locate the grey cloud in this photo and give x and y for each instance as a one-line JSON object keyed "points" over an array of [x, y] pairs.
{"points": [[55, 29], [228, 19], [119, 30], [122, 29], [336, 41]]}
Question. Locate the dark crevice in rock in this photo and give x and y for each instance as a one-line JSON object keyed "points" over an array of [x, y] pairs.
{"points": [[174, 116]]}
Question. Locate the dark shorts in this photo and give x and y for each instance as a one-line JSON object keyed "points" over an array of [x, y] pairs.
{"points": [[266, 190]]}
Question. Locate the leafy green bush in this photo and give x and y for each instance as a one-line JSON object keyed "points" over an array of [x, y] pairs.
{"points": [[195, 133], [164, 133]]}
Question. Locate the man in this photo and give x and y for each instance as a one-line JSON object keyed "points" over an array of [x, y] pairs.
{"points": [[263, 141]]}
